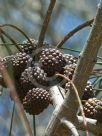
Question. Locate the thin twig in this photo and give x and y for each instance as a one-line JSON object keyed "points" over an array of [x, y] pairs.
{"points": [[99, 57], [2, 38], [70, 126], [74, 31], [73, 50], [79, 101], [97, 89], [13, 93], [13, 44], [10, 132], [4, 43], [93, 125], [18, 29], [97, 81], [97, 70], [11, 39], [34, 125], [7, 127], [99, 63], [46, 22]]}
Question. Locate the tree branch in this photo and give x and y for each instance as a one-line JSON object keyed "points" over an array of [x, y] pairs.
{"points": [[92, 125], [57, 98], [46, 22], [70, 126], [74, 31], [85, 65], [18, 29]]}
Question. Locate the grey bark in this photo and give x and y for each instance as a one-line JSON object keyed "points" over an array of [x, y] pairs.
{"points": [[85, 65]]}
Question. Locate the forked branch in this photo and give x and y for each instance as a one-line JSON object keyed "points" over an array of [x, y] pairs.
{"points": [[74, 31], [84, 68], [46, 22]]}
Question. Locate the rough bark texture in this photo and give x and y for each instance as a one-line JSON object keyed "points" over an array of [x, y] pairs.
{"points": [[92, 125], [86, 63]]}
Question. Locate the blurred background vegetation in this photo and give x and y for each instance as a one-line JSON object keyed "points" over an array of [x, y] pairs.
{"points": [[28, 15]]}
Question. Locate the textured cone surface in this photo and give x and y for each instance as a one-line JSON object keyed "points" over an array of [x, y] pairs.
{"points": [[93, 109], [52, 60], [36, 101], [87, 93], [27, 47], [89, 108], [33, 77], [2, 83], [70, 59], [69, 70], [17, 63], [98, 114], [67, 87], [20, 61], [25, 82], [4, 63], [37, 76], [20, 91]]}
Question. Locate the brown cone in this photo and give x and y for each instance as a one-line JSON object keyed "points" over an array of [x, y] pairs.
{"points": [[52, 61], [36, 101]]}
